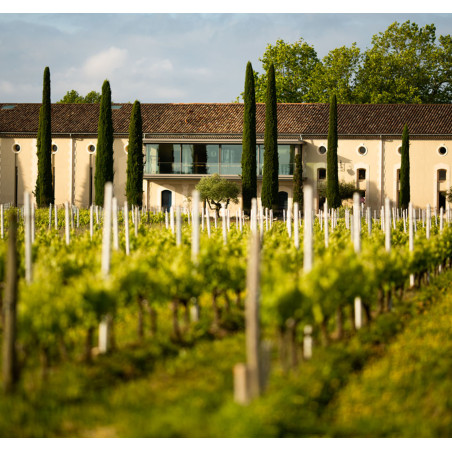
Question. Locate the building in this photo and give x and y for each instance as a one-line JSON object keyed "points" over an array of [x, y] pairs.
{"points": [[183, 142]]}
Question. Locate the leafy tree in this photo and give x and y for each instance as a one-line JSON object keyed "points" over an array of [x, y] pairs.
{"points": [[249, 164], [293, 63], [336, 74], [406, 65], [104, 154], [298, 181], [404, 198], [73, 97], [346, 190], [44, 189], [332, 190], [216, 190], [269, 194], [134, 185]]}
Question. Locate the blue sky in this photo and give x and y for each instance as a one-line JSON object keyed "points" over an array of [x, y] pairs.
{"points": [[166, 57]]}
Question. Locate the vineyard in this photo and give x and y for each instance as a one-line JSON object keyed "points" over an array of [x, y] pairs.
{"points": [[135, 323]]}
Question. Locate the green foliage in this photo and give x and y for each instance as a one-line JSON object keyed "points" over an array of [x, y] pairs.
{"points": [[346, 190], [134, 185], [73, 97], [404, 198], [336, 74], [404, 64], [249, 165], [332, 187], [269, 193], [217, 190], [44, 188], [104, 152], [298, 181], [293, 64]]}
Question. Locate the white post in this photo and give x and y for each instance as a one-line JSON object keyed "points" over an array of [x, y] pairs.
{"points": [[253, 216], [115, 224], [307, 342], [202, 219], [195, 226], [56, 216], [66, 223], [369, 222], [136, 221], [387, 216], [78, 217], [307, 236], [97, 215], [296, 231], [357, 246], [326, 227], [91, 221], [441, 220], [104, 326], [50, 216], [289, 223], [126, 227], [228, 219], [32, 220], [266, 218], [179, 227], [215, 218], [166, 219], [411, 236], [27, 233], [428, 222]]}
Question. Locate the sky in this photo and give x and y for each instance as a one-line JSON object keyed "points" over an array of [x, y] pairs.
{"points": [[167, 57]]}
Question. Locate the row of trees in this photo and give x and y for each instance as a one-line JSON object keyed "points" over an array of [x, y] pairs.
{"points": [[404, 64], [44, 190]]}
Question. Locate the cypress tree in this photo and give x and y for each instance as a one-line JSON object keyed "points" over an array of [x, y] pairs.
{"points": [[104, 154], [332, 186], [134, 186], [270, 186], [44, 190], [298, 181], [249, 164], [404, 197]]}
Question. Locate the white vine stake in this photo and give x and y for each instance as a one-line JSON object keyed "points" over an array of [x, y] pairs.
{"points": [[307, 236], [325, 219], [223, 224], [56, 216], [357, 246], [50, 216], [208, 222], [195, 226], [428, 222], [307, 342], [2, 220], [91, 221], [411, 236], [387, 217], [289, 223], [126, 227], [27, 232], [104, 326]]}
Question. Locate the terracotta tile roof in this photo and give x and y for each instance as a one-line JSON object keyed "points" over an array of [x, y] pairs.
{"points": [[353, 119]]}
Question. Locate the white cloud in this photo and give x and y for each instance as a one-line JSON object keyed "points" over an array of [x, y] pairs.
{"points": [[104, 63]]}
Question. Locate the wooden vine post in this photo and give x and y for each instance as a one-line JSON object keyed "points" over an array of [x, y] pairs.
{"points": [[249, 378], [357, 246], [9, 310], [105, 324]]}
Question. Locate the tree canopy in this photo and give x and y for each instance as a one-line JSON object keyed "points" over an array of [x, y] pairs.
{"points": [[404, 64], [216, 190], [73, 97]]}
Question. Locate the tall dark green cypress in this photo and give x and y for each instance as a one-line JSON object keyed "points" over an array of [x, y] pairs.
{"points": [[104, 153], [44, 189], [298, 181], [249, 163], [404, 197], [134, 185], [332, 182], [270, 185]]}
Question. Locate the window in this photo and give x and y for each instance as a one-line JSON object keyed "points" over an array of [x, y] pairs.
{"points": [[361, 174], [321, 174], [286, 156], [16, 148], [442, 150], [322, 150], [126, 148], [442, 175], [54, 148], [91, 149], [231, 159], [362, 150], [399, 150]]}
